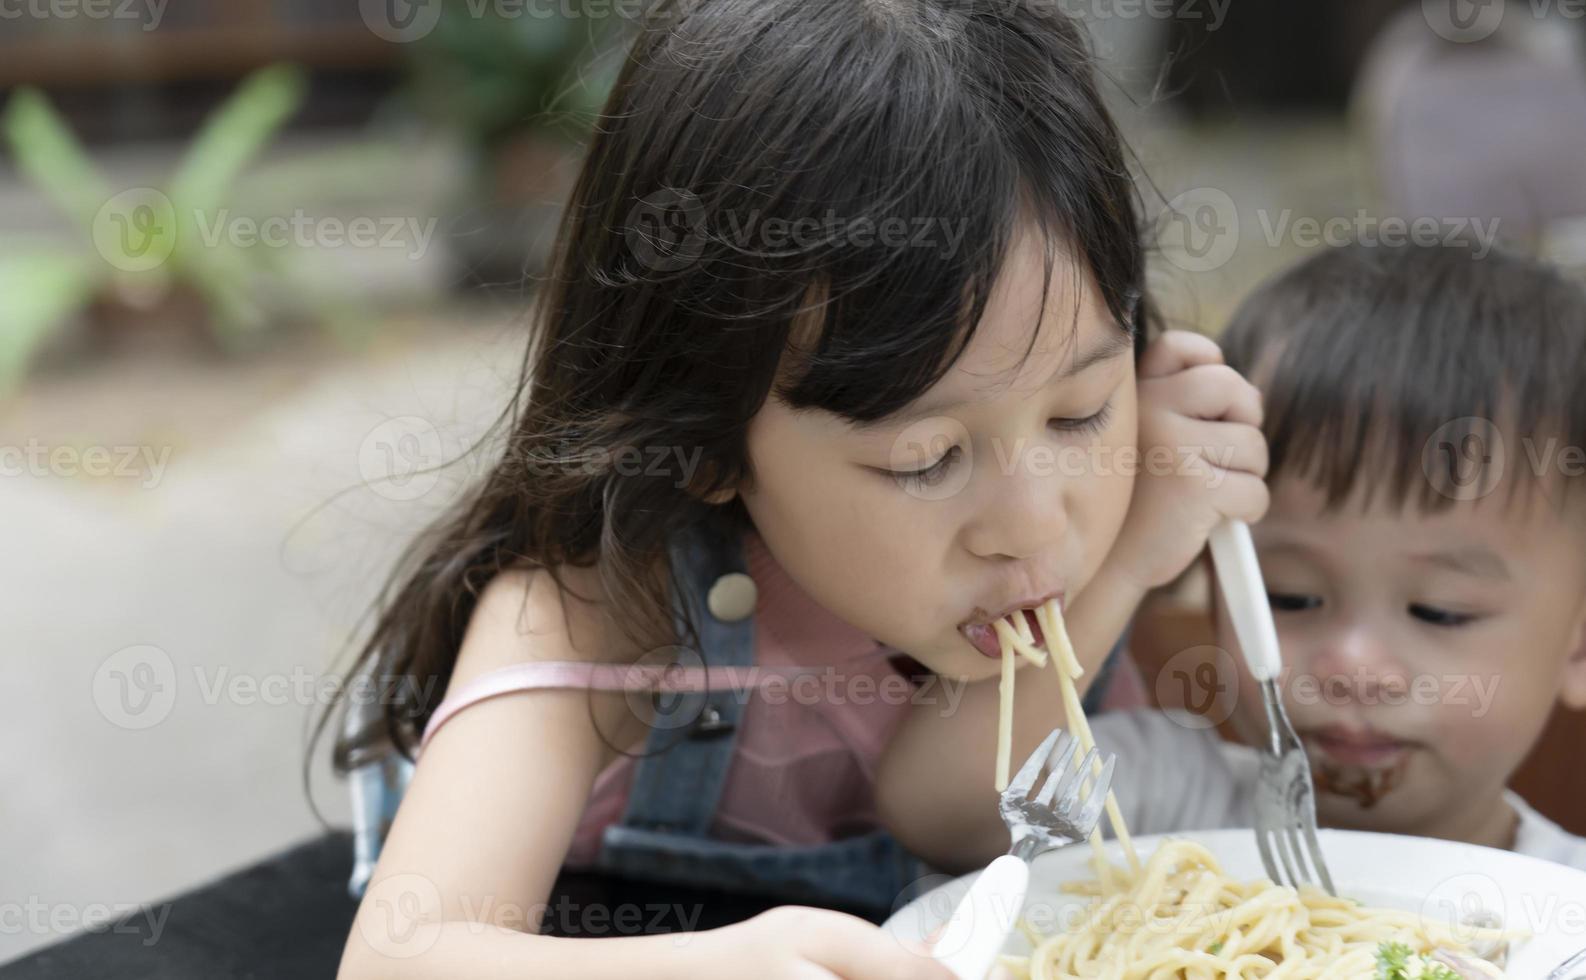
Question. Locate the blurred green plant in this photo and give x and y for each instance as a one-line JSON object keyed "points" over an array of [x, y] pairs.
{"points": [[491, 76], [145, 242], [519, 91]]}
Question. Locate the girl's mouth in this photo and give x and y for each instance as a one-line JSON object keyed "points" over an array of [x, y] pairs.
{"points": [[983, 636]]}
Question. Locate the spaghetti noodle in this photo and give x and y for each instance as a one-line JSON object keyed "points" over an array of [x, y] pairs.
{"points": [[1179, 916]]}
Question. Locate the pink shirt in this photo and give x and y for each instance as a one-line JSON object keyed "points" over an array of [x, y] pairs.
{"points": [[804, 767]]}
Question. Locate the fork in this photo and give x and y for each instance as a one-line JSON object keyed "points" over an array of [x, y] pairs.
{"points": [[1055, 817], [1578, 961], [1285, 797]]}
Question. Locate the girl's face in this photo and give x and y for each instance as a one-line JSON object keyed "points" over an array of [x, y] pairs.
{"points": [[992, 492], [1423, 651]]}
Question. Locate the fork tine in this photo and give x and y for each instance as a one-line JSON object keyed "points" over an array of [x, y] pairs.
{"points": [[1021, 782], [1060, 769], [1264, 844], [1289, 851], [1314, 847], [1091, 815], [1073, 781]]}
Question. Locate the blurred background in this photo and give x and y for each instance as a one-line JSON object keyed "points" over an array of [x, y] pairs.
{"points": [[263, 268]]}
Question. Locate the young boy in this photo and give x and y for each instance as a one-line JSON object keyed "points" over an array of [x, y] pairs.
{"points": [[1425, 550]]}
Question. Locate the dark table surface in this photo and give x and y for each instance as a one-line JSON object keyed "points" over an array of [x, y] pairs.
{"points": [[289, 916]]}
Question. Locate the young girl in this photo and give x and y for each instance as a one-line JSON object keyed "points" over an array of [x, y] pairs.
{"points": [[843, 357]]}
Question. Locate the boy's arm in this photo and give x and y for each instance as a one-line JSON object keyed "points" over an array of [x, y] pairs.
{"points": [[935, 784]]}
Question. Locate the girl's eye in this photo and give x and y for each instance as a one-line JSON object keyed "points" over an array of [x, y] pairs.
{"points": [[1290, 602], [1088, 425], [931, 475], [1439, 617]]}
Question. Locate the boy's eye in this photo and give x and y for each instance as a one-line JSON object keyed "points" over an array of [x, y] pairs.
{"points": [[1088, 425], [1439, 617], [1291, 602], [930, 475]]}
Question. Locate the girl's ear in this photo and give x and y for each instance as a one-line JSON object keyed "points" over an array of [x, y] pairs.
{"points": [[1572, 685], [715, 498]]}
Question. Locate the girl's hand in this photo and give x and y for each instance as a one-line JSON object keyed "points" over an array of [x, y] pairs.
{"points": [[801, 943], [1202, 458]]}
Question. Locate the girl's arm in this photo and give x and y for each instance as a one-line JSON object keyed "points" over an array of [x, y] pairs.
{"points": [[468, 865]]}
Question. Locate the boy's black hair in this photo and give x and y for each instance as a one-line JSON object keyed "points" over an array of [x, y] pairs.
{"points": [[1423, 372]]}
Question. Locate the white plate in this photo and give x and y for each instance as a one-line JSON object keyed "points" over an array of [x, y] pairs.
{"points": [[1439, 879]]}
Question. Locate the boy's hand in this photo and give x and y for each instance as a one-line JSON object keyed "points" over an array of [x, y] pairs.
{"points": [[1202, 458]]}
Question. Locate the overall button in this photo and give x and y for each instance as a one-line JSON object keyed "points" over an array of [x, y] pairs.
{"points": [[732, 598]]}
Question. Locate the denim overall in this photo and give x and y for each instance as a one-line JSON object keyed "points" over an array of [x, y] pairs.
{"points": [[677, 783], [662, 834]]}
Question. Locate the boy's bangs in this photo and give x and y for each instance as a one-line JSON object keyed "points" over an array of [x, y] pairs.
{"points": [[1423, 374]]}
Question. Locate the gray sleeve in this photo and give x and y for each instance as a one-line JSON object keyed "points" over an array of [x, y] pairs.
{"points": [[1173, 773]]}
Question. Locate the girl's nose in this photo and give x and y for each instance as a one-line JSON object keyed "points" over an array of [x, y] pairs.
{"points": [[1024, 515]]}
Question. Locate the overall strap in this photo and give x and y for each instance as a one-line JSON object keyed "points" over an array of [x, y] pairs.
{"points": [[677, 783]]}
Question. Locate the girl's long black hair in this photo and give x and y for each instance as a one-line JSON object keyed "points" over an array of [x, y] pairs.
{"points": [[801, 199]]}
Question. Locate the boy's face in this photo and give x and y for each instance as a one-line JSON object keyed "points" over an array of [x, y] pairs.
{"points": [[1003, 488], [1423, 652]]}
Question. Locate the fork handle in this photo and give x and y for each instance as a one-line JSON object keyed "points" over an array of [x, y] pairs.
{"points": [[983, 919], [1245, 592]]}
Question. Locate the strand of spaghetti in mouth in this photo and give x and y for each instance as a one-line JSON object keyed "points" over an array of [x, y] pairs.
{"points": [[1015, 638], [1050, 617]]}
